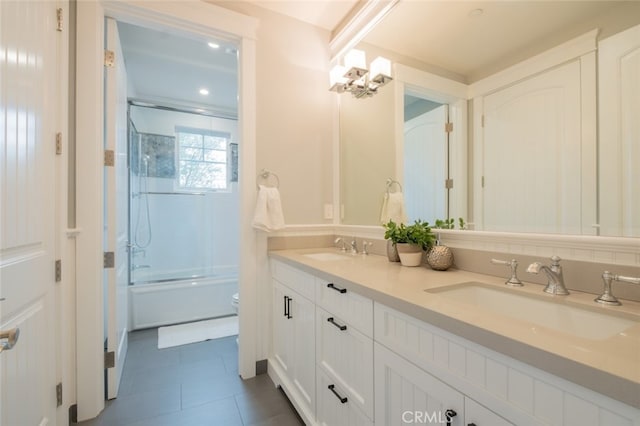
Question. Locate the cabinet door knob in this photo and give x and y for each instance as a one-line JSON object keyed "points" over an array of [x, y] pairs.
{"points": [[449, 414]]}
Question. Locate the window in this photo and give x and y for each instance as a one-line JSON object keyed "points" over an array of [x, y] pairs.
{"points": [[202, 159]]}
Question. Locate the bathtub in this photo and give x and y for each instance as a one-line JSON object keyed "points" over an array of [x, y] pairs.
{"points": [[153, 304]]}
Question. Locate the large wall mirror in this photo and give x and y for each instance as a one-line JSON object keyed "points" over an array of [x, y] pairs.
{"points": [[522, 176]]}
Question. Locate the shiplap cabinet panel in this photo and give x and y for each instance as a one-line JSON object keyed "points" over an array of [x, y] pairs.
{"points": [[515, 391]]}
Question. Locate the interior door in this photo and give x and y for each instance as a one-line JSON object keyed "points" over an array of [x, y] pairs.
{"points": [[425, 165], [532, 151], [117, 199], [29, 101]]}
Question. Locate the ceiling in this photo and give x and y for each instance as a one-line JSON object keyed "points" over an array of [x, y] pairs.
{"points": [[327, 14], [169, 69], [476, 38]]}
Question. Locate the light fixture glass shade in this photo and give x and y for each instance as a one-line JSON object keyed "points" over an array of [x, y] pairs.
{"points": [[355, 59], [337, 80], [382, 66]]}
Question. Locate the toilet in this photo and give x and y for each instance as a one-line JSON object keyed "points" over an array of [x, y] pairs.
{"points": [[235, 301]]}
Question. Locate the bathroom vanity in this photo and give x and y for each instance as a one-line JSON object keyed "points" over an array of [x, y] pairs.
{"points": [[358, 340]]}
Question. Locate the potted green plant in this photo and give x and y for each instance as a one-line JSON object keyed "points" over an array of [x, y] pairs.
{"points": [[410, 240]]}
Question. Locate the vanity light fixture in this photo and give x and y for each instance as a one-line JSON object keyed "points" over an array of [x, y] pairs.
{"points": [[355, 78]]}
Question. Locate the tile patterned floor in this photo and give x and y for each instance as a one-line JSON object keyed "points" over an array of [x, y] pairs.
{"points": [[192, 385]]}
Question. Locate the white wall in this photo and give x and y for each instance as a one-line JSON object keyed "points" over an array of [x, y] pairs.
{"points": [[294, 111]]}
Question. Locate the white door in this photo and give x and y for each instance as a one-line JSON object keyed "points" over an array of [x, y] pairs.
{"points": [[532, 154], [405, 394], [425, 166], [619, 148], [30, 101], [116, 199], [282, 328], [303, 315]]}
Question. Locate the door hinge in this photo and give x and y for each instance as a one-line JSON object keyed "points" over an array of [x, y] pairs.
{"points": [[59, 394], [482, 120], [58, 270], [73, 413], [448, 127], [109, 158], [448, 183], [59, 19], [482, 182], [109, 259], [59, 143], [109, 58], [109, 359]]}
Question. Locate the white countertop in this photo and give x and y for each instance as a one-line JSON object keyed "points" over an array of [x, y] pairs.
{"points": [[609, 366]]}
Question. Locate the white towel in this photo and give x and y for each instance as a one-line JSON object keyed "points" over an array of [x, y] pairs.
{"points": [[393, 208], [268, 215]]}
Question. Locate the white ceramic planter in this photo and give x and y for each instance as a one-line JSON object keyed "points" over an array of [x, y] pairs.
{"points": [[410, 254]]}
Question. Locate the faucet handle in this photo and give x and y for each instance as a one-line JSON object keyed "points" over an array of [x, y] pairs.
{"points": [[513, 280], [607, 296], [555, 260], [366, 244]]}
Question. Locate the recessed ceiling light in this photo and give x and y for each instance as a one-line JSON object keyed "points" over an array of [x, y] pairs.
{"points": [[476, 12], [213, 45], [204, 92]]}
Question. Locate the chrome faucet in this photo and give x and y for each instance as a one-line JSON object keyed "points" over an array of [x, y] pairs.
{"points": [[341, 241], [354, 246], [554, 273], [607, 296]]}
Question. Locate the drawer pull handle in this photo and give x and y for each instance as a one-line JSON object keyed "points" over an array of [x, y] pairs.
{"points": [[338, 289], [343, 399], [289, 307], [449, 414], [332, 321], [285, 306]]}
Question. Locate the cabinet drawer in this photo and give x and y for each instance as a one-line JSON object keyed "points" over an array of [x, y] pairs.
{"points": [[294, 278], [479, 415], [353, 308], [346, 355], [334, 407]]}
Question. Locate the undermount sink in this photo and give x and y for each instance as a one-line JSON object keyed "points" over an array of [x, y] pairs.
{"points": [[577, 321], [326, 256]]}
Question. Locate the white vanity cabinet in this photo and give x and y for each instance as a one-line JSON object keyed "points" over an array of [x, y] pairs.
{"points": [[417, 359], [293, 348], [345, 360]]}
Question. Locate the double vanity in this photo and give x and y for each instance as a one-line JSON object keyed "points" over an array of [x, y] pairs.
{"points": [[359, 340]]}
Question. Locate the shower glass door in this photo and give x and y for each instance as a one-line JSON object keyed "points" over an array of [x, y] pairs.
{"points": [[183, 196]]}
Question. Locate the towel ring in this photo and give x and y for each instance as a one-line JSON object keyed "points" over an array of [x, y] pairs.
{"points": [[265, 175], [391, 182]]}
